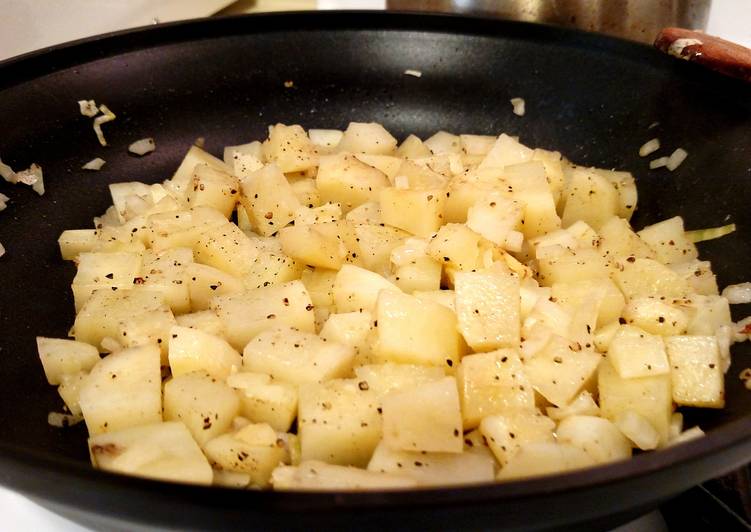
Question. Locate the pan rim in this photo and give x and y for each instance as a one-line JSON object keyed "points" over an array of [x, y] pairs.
{"points": [[66, 55]]}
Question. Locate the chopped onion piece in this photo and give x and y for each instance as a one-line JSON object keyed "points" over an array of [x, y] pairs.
{"points": [[658, 163], [88, 108], [653, 125], [649, 147], [519, 106], [745, 376], [142, 146], [686, 435], [7, 172], [415, 73], [3, 201], [2, 250], [94, 164], [676, 158], [107, 116], [33, 177], [110, 345], [737, 294], [57, 419], [701, 235], [741, 330]]}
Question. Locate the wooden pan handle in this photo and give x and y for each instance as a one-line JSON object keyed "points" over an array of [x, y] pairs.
{"points": [[712, 52]]}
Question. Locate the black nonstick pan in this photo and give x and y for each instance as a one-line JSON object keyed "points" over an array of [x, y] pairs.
{"points": [[589, 96]]}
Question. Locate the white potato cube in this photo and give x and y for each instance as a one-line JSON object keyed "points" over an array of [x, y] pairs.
{"points": [[487, 307], [205, 405], [264, 400], [425, 418], [356, 289], [320, 476], [163, 451], [596, 436], [290, 148], [655, 316], [668, 239], [123, 390], [65, 357], [346, 180], [361, 137], [193, 350], [338, 422], [256, 453], [544, 458], [506, 434], [638, 430], [636, 353], [696, 371], [420, 212], [269, 200], [297, 357]]}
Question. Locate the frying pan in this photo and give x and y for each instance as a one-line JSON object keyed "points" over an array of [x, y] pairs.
{"points": [[591, 97]]}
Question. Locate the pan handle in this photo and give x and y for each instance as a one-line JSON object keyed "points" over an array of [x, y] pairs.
{"points": [[714, 53]]}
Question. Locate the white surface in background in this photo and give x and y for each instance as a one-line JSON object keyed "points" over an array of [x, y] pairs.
{"points": [[27, 25], [731, 20], [33, 24]]}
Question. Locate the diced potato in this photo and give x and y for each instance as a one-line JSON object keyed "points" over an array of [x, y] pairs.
{"points": [[706, 314], [424, 418], [325, 138], [290, 148], [193, 350], [65, 357], [553, 162], [181, 228], [487, 308], [375, 243], [319, 282], [572, 266], [647, 277], [256, 456], [506, 434], [598, 437], [638, 430], [650, 397], [148, 327], [247, 314], [204, 320], [320, 476], [297, 357], [589, 197], [310, 245], [443, 142], [306, 192], [423, 274], [263, 400], [477, 144], [583, 405], [370, 138], [696, 371], [70, 390], [464, 192], [166, 272], [123, 390], [495, 218], [493, 383], [602, 292], [505, 152], [618, 241], [634, 352], [561, 370], [356, 289], [544, 458], [349, 328], [102, 314], [346, 180], [604, 335], [269, 200], [205, 405], [388, 164], [411, 331], [163, 451], [226, 248], [231, 154], [205, 282], [413, 148], [447, 298], [213, 188], [434, 469], [367, 213], [419, 212], [656, 317], [698, 274], [529, 185], [338, 422], [181, 181], [104, 270], [668, 239], [73, 242], [456, 246], [625, 185]]}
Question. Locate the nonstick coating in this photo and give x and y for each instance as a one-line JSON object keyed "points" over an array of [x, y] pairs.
{"points": [[589, 96]]}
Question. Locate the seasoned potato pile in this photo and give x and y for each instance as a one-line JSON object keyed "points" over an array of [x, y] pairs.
{"points": [[334, 310]]}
